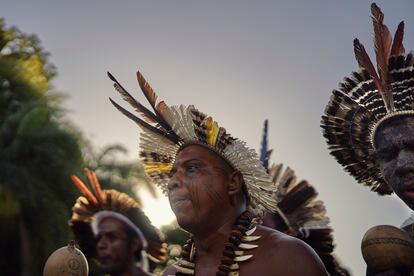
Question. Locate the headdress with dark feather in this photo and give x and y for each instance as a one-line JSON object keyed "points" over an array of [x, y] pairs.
{"points": [[367, 99], [300, 214], [167, 129], [107, 202]]}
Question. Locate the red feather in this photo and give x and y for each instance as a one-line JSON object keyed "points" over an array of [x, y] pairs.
{"points": [[365, 62], [85, 191], [383, 44], [147, 89], [93, 180], [397, 45]]}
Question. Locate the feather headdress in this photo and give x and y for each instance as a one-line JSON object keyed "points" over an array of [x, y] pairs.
{"points": [[91, 204], [301, 214], [368, 98], [167, 129]]}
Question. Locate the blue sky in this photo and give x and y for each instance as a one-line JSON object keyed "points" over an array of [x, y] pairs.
{"points": [[240, 61]]}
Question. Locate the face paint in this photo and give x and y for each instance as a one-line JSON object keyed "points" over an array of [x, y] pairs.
{"points": [[198, 186], [395, 156]]}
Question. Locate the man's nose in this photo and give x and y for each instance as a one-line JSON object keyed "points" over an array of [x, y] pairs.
{"points": [[102, 243], [175, 181], [405, 162]]}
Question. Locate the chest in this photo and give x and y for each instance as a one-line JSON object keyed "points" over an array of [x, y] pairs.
{"points": [[257, 265]]}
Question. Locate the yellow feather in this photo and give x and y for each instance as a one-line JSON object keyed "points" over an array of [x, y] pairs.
{"points": [[212, 129], [157, 167]]}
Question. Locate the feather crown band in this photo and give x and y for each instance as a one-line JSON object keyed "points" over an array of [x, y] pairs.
{"points": [[301, 214], [167, 129], [366, 100], [111, 201]]}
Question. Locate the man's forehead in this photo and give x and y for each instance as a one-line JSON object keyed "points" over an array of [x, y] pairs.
{"points": [[111, 225], [196, 152], [396, 132]]}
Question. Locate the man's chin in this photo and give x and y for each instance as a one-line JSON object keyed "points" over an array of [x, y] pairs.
{"points": [[410, 203], [407, 197], [183, 222], [106, 266]]}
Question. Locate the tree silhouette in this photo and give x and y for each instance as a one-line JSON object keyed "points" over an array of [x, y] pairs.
{"points": [[38, 154]]}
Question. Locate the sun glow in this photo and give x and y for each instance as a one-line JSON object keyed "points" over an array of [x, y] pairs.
{"points": [[157, 209]]}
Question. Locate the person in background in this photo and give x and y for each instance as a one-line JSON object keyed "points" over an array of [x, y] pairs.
{"points": [[300, 213], [369, 121], [111, 228], [216, 187]]}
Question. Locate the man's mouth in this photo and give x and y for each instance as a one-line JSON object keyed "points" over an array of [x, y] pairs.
{"points": [[409, 192], [177, 201], [103, 259]]}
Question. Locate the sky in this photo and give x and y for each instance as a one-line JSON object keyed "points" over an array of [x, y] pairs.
{"points": [[239, 61]]}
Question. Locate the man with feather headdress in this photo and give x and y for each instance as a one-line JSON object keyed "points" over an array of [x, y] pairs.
{"points": [[111, 228], [299, 214], [369, 121], [216, 187]]}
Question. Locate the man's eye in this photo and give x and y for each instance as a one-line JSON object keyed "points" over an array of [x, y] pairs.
{"points": [[386, 155], [191, 168], [112, 237]]}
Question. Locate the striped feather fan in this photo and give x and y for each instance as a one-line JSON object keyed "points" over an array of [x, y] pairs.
{"points": [[365, 100]]}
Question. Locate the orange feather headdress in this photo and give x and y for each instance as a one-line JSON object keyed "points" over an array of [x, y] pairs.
{"points": [[106, 202]]}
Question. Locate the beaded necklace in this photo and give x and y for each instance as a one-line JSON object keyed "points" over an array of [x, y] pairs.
{"points": [[234, 249]]}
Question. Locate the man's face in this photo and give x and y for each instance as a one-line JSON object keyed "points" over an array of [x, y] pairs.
{"points": [[395, 155], [113, 249], [197, 189]]}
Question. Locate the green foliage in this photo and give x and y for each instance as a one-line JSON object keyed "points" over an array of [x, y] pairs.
{"points": [[126, 176], [174, 234], [38, 155], [39, 150], [175, 238]]}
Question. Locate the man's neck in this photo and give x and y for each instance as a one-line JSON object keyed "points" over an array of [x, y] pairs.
{"points": [[211, 243], [131, 270]]}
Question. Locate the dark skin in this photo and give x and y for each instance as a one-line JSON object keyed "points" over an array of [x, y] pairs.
{"points": [[115, 252], [394, 142], [206, 196], [395, 155]]}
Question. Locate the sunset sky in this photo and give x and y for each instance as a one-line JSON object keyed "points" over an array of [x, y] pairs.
{"points": [[240, 61]]}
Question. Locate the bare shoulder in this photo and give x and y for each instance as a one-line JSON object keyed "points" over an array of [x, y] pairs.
{"points": [[169, 271], [286, 255]]}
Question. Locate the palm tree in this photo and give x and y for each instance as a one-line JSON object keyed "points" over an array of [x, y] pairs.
{"points": [[114, 172], [38, 154]]}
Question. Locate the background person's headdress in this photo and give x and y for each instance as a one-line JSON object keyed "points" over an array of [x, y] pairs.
{"points": [[300, 214], [366, 100], [94, 206], [170, 128]]}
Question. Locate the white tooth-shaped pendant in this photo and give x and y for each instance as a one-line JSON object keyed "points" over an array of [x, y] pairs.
{"points": [[238, 252], [187, 263], [234, 266], [192, 252], [242, 258], [247, 246], [251, 231], [184, 270], [233, 273], [250, 238]]}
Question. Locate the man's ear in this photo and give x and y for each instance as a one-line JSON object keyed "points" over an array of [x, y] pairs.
{"points": [[235, 184], [136, 245]]}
